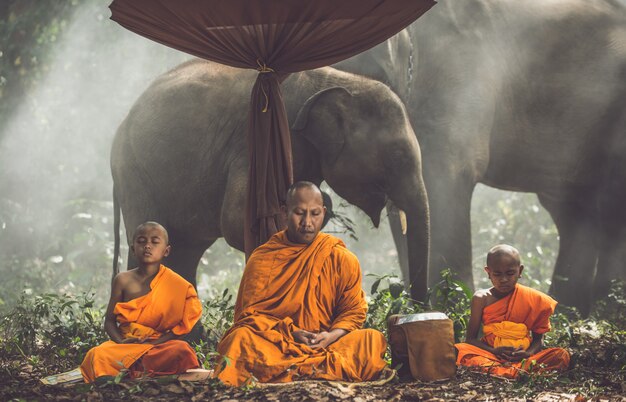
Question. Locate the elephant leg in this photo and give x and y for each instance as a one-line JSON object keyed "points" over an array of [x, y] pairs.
{"points": [[612, 222], [185, 256], [576, 262], [451, 236], [234, 206], [611, 257]]}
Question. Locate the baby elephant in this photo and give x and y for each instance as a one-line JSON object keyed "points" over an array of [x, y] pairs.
{"points": [[180, 157]]}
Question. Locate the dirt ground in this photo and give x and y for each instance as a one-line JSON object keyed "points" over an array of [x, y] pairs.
{"points": [[579, 384]]}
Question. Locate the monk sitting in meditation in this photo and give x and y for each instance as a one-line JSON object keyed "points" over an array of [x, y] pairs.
{"points": [[509, 312], [300, 307], [151, 306]]}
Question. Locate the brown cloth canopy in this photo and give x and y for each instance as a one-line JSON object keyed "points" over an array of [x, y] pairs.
{"points": [[276, 37]]}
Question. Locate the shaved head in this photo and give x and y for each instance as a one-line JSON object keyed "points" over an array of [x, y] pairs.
{"points": [[150, 224], [302, 185], [502, 251]]}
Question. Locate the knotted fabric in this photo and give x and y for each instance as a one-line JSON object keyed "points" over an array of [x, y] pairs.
{"points": [[275, 37], [507, 333]]}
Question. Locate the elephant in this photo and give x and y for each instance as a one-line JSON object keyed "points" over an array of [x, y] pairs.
{"points": [[180, 156], [523, 96]]}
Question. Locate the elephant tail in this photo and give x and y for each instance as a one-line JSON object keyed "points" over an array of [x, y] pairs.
{"points": [[116, 232]]}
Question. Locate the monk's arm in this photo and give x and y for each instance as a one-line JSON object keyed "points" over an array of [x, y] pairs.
{"points": [[110, 323], [192, 310], [168, 336], [471, 337], [476, 315], [351, 306]]}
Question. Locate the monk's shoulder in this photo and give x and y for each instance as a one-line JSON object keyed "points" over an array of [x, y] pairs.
{"points": [[535, 295], [171, 276], [125, 277], [341, 254], [483, 298]]}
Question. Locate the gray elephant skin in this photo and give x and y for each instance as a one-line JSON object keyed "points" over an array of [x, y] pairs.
{"points": [[180, 156], [523, 96]]}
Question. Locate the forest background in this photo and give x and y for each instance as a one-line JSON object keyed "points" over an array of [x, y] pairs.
{"points": [[68, 76]]}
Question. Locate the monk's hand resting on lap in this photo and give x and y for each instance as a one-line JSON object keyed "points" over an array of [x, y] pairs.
{"points": [[324, 339], [519, 354], [302, 336], [504, 352], [162, 339]]}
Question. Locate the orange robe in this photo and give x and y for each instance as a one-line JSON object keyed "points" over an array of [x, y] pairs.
{"points": [[286, 287], [171, 305], [507, 322]]}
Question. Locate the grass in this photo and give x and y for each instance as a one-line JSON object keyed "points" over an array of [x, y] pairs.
{"points": [[47, 334]]}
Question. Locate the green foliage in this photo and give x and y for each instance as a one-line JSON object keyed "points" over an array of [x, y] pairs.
{"points": [[388, 297], [452, 297], [217, 317], [613, 307], [386, 300], [63, 325], [340, 220]]}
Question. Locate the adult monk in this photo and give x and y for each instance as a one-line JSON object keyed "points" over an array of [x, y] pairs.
{"points": [[150, 308], [300, 307], [514, 318]]}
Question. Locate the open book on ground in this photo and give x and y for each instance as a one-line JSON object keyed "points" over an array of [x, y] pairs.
{"points": [[75, 376], [63, 378]]}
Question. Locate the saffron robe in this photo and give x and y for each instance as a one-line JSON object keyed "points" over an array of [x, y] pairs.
{"points": [[507, 322], [171, 305], [287, 287]]}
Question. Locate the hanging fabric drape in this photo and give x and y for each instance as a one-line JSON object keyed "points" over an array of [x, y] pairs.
{"points": [[275, 37]]}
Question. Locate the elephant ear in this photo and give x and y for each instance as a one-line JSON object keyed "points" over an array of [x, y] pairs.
{"points": [[324, 119]]}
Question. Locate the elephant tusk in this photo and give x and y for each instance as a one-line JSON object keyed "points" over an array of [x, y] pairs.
{"points": [[402, 215]]}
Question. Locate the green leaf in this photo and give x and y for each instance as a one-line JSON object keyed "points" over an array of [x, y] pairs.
{"points": [[375, 285], [396, 289]]}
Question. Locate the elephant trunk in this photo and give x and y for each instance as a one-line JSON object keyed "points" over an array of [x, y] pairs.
{"points": [[416, 225]]}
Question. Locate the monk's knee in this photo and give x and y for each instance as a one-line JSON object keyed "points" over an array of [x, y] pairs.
{"points": [[563, 356], [234, 339], [367, 338], [374, 336]]}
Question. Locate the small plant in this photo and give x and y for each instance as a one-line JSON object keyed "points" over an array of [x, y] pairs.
{"points": [[613, 307], [65, 325], [217, 317], [452, 297], [562, 322], [388, 300]]}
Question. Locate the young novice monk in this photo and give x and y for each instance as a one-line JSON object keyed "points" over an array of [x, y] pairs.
{"points": [[508, 312], [150, 308]]}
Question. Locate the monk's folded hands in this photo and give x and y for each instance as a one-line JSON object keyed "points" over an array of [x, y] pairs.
{"points": [[302, 336], [325, 339]]}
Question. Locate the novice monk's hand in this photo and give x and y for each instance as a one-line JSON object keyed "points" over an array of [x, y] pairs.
{"points": [[504, 352], [519, 354], [302, 336]]}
